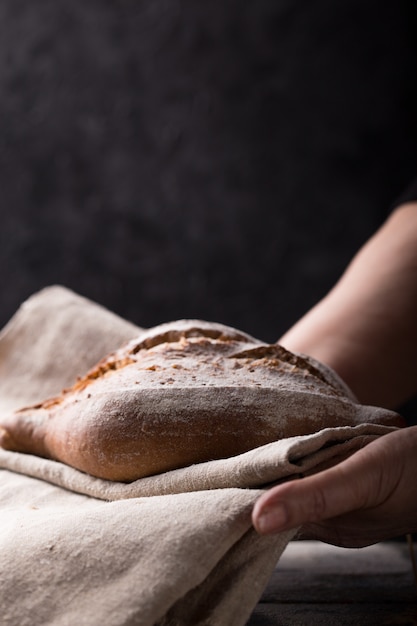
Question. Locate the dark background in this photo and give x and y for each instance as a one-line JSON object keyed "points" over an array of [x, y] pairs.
{"points": [[191, 158]]}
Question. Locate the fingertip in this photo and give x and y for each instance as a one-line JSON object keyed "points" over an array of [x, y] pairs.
{"points": [[272, 519], [288, 506]]}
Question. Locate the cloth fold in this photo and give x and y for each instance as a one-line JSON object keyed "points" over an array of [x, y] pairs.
{"points": [[175, 549]]}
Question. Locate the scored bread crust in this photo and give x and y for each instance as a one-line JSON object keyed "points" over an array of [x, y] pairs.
{"points": [[182, 393]]}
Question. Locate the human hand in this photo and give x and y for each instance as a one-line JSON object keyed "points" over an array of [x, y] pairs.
{"points": [[369, 497]]}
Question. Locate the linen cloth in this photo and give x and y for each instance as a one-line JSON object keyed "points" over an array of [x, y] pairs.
{"points": [[174, 549]]}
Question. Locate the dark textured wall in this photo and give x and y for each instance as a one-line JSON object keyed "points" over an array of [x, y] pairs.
{"points": [[187, 158]]}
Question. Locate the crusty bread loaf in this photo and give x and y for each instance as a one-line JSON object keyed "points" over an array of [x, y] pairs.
{"points": [[183, 393]]}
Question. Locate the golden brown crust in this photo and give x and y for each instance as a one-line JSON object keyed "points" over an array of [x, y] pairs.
{"points": [[182, 393]]}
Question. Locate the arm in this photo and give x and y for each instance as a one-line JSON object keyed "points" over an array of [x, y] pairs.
{"points": [[366, 327]]}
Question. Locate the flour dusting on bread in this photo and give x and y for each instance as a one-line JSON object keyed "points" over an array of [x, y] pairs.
{"points": [[182, 393]]}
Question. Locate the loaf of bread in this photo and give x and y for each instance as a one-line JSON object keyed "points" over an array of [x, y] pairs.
{"points": [[183, 393]]}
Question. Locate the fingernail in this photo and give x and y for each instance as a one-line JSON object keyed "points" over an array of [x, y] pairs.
{"points": [[272, 519]]}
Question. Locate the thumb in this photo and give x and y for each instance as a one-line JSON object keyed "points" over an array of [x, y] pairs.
{"points": [[341, 489]]}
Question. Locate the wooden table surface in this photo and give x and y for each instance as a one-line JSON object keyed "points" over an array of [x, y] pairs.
{"points": [[320, 585]]}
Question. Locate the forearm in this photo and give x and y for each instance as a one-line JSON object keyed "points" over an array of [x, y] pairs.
{"points": [[366, 327]]}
